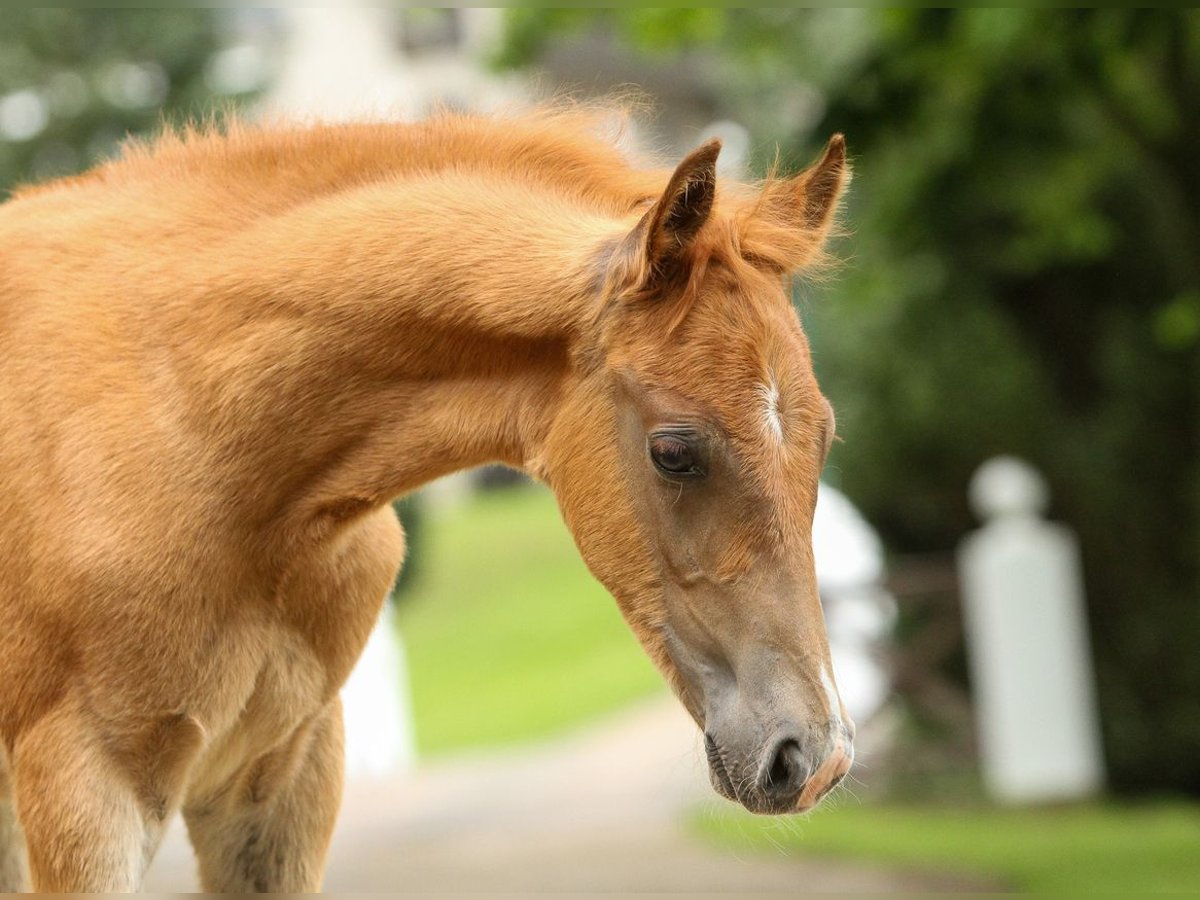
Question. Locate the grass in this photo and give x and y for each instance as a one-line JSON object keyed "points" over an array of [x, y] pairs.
{"points": [[508, 636], [1131, 849]]}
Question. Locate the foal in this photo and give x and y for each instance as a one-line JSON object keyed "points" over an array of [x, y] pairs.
{"points": [[224, 354]]}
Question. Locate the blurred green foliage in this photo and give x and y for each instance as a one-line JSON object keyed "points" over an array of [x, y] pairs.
{"points": [[1023, 277], [75, 82], [410, 510]]}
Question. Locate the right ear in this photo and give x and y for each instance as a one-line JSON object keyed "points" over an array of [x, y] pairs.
{"points": [[810, 199], [667, 231]]}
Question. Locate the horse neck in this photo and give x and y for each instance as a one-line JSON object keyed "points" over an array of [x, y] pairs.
{"points": [[363, 344]]}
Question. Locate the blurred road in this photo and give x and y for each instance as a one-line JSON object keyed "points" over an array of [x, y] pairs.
{"points": [[599, 810]]}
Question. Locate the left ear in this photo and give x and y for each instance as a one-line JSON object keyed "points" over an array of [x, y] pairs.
{"points": [[671, 226], [810, 199]]}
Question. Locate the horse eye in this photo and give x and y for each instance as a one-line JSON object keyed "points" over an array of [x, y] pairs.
{"points": [[672, 455]]}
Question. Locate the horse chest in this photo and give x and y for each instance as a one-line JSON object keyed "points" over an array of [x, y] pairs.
{"points": [[284, 692], [291, 685], [305, 649]]}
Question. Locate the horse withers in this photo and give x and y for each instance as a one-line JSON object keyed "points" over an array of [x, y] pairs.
{"points": [[224, 353]]}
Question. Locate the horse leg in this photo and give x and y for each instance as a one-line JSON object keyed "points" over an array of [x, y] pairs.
{"points": [[87, 827], [12, 851], [12, 842], [269, 829]]}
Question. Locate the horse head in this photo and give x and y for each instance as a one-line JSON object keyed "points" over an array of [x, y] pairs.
{"points": [[685, 457]]}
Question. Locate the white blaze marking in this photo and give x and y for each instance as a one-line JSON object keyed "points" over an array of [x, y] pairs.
{"points": [[831, 695], [770, 395]]}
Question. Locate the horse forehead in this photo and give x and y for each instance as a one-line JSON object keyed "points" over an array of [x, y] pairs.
{"points": [[768, 393], [754, 364], [750, 367], [777, 422]]}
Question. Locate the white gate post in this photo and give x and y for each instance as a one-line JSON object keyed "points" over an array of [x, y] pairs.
{"points": [[1027, 638], [377, 706]]}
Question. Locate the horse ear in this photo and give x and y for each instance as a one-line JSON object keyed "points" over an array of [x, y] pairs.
{"points": [[811, 198], [671, 226]]}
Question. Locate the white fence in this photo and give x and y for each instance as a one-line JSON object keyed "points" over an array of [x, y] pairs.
{"points": [[1026, 630]]}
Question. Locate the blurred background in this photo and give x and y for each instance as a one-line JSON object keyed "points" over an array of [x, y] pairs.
{"points": [[1021, 278]]}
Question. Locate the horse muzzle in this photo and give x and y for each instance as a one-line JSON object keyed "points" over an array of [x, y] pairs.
{"points": [[790, 773]]}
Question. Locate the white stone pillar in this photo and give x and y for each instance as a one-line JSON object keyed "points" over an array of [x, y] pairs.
{"points": [[1026, 633]]}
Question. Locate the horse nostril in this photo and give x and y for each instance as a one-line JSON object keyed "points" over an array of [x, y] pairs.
{"points": [[786, 773]]}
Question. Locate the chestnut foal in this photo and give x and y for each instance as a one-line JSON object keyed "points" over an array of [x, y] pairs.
{"points": [[224, 354]]}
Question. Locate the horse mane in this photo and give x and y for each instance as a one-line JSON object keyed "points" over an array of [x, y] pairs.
{"points": [[573, 149]]}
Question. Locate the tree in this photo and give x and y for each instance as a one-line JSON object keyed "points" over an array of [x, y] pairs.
{"points": [[76, 82], [1024, 277]]}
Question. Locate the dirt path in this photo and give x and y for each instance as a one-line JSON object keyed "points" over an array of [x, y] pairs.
{"points": [[599, 810]]}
